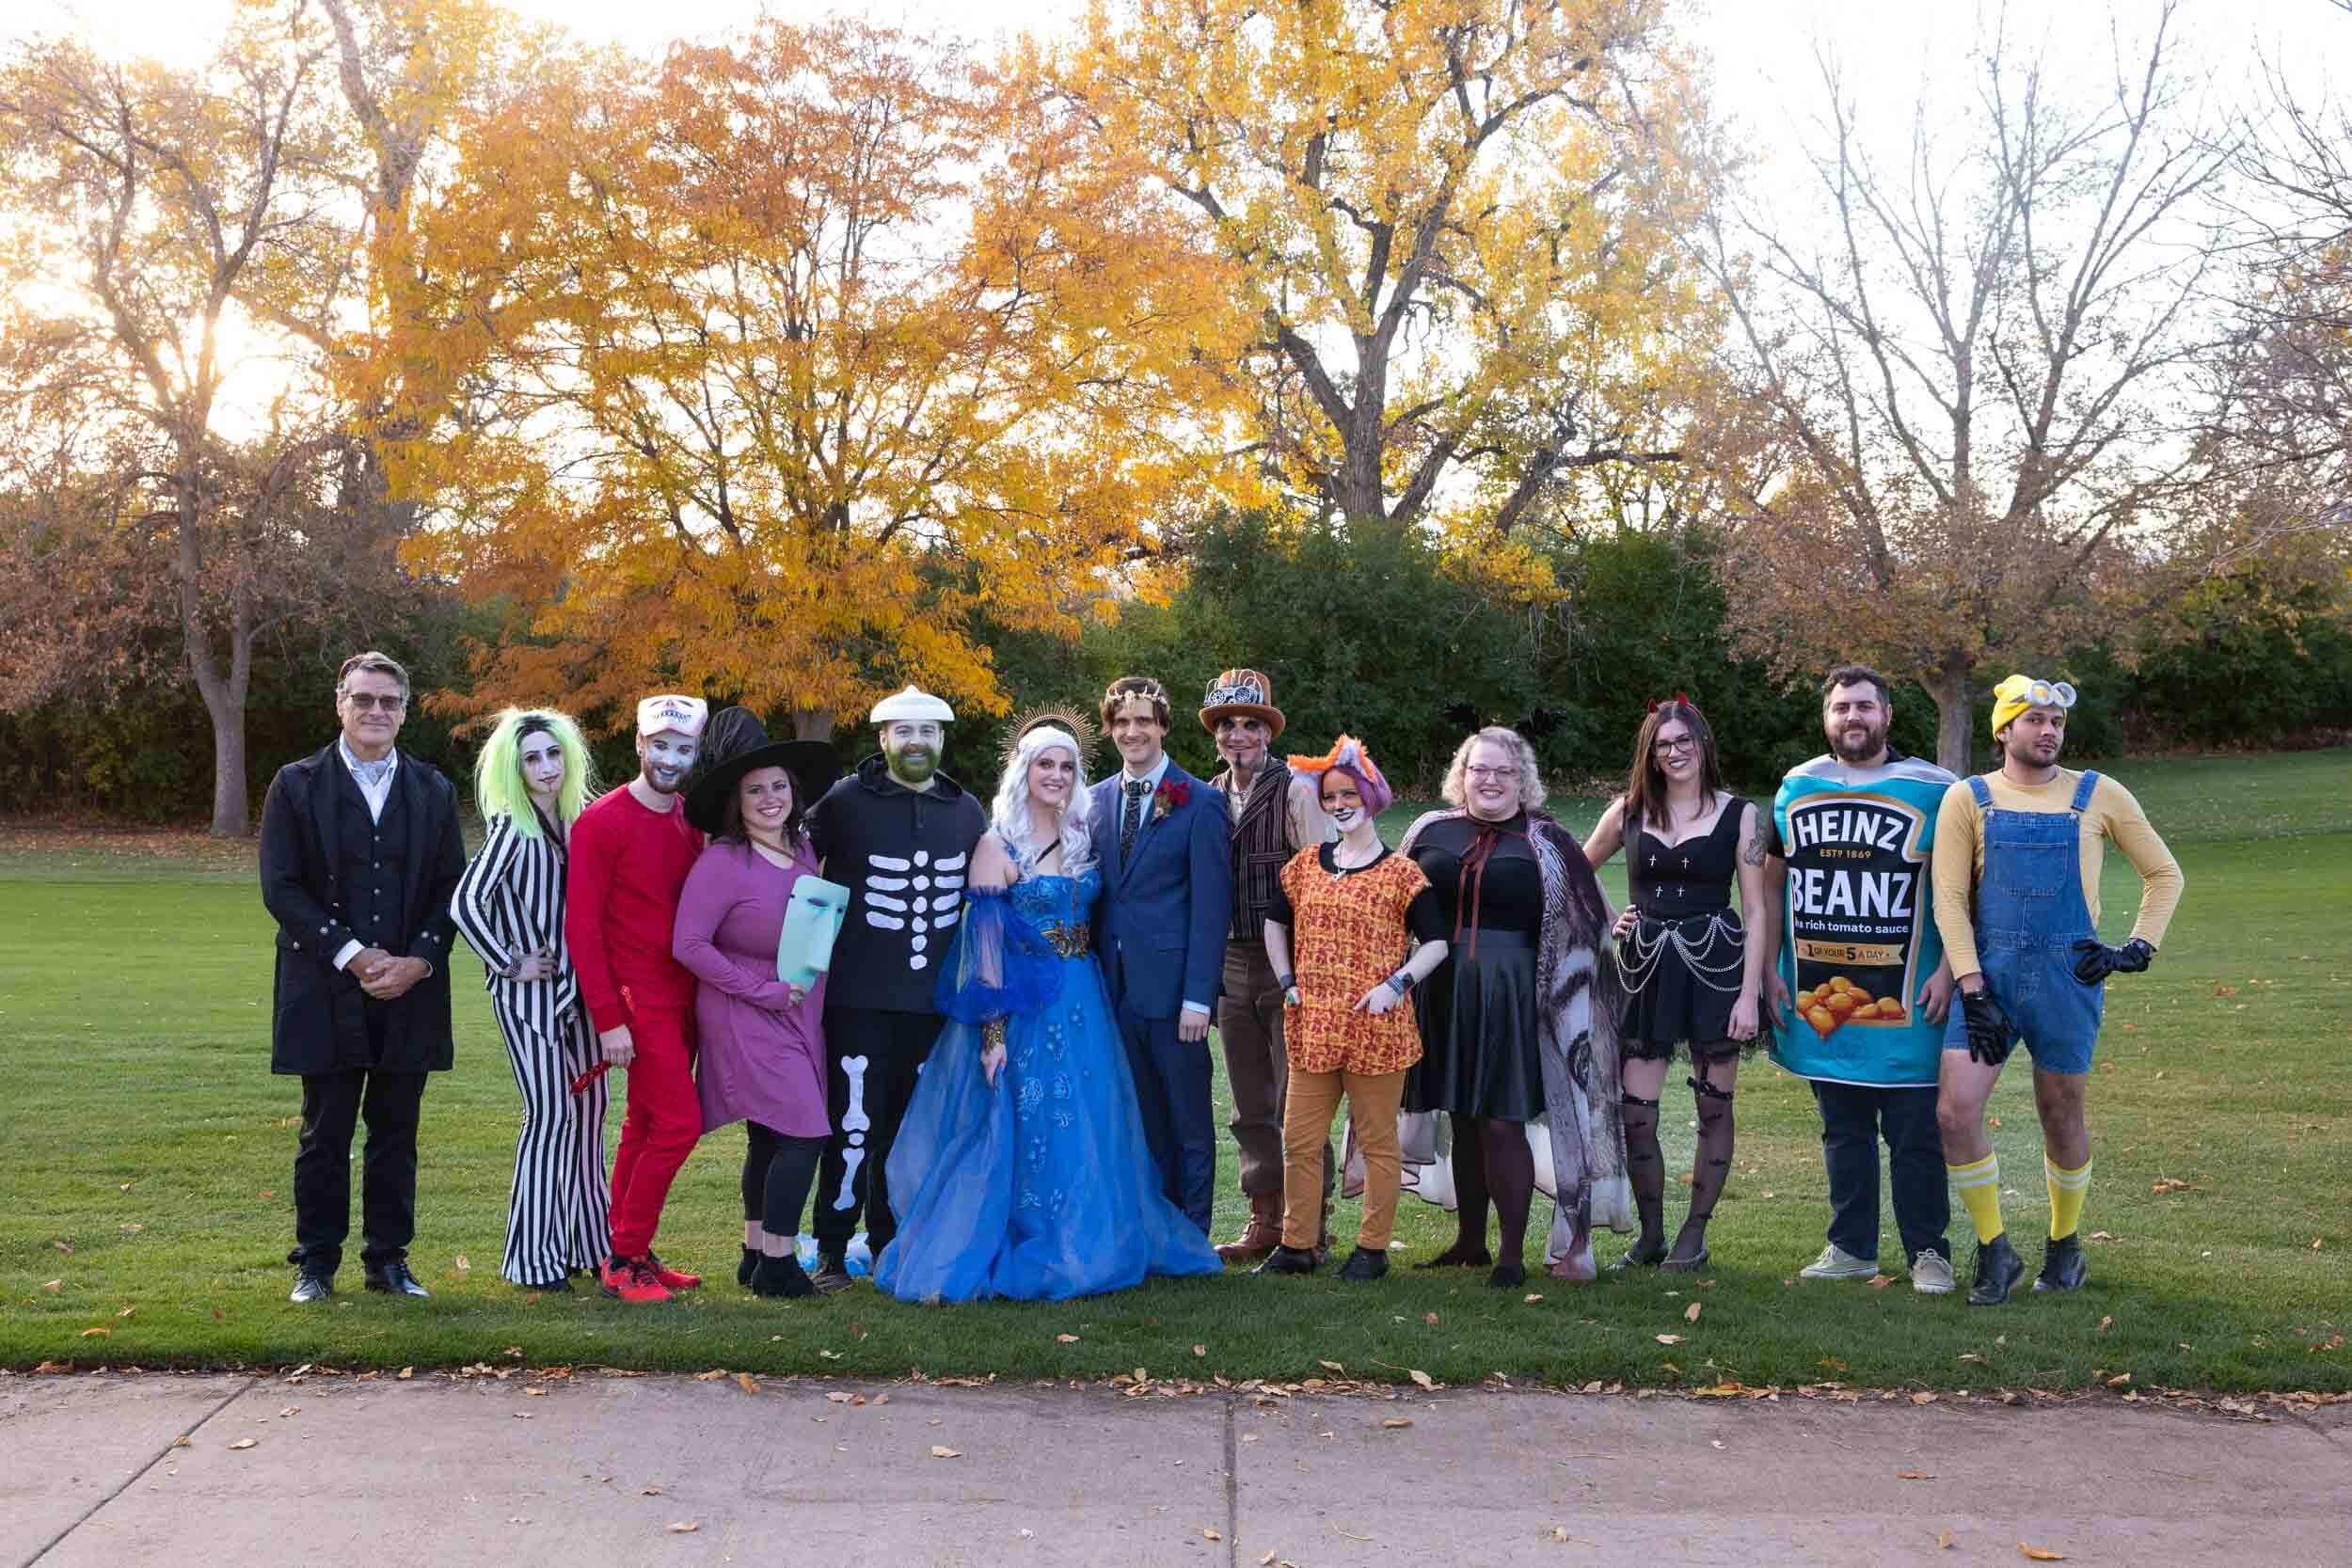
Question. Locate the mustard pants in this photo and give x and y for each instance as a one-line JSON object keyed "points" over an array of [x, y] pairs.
{"points": [[1309, 1104]]}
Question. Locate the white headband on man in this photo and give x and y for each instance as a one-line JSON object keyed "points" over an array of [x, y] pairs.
{"points": [[912, 705], [672, 711]]}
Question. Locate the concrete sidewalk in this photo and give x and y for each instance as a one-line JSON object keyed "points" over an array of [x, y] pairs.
{"points": [[605, 1470]]}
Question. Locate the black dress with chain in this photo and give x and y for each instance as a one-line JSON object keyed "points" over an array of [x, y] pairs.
{"points": [[1682, 965]]}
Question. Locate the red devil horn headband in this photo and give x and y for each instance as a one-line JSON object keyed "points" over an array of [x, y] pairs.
{"points": [[1677, 697]]}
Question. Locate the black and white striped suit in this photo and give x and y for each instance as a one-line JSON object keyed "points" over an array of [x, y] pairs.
{"points": [[510, 903]]}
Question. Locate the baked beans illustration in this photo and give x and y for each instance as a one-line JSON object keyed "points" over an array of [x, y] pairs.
{"points": [[1837, 1001]]}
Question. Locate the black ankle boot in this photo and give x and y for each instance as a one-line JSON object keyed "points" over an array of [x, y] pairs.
{"points": [[2062, 1266], [1364, 1264], [744, 1270], [1507, 1273], [781, 1277], [1998, 1270], [1287, 1259]]}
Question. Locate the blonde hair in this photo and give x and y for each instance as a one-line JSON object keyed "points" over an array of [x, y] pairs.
{"points": [[1531, 777]]}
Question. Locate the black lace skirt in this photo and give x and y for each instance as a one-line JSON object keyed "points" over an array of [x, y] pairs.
{"points": [[1480, 1048]]}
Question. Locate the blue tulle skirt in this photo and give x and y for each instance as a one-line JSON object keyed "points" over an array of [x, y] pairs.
{"points": [[1037, 1187]]}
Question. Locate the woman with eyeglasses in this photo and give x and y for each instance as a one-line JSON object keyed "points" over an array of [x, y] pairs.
{"points": [[1519, 1023], [531, 783], [1693, 972]]}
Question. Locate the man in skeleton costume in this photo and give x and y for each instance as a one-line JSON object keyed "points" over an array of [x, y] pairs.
{"points": [[897, 834]]}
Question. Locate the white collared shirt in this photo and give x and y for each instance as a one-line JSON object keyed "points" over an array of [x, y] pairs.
{"points": [[1159, 772], [375, 794]]}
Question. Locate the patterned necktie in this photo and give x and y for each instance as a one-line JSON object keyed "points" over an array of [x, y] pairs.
{"points": [[1131, 816], [372, 773]]}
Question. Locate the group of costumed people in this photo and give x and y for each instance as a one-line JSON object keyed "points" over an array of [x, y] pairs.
{"points": [[1001, 1078]]}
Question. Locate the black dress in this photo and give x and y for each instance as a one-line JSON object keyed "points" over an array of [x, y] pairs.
{"points": [[1480, 1046], [1683, 964]]}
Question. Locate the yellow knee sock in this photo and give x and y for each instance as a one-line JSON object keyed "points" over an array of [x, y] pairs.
{"points": [[2067, 1188], [1980, 1185]]}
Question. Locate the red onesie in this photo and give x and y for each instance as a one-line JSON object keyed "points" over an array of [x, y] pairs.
{"points": [[620, 899]]}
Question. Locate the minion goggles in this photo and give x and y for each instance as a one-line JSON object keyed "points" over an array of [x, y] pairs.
{"points": [[2016, 694]]}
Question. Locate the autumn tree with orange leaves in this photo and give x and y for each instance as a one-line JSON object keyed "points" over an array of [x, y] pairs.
{"points": [[1451, 227], [767, 371]]}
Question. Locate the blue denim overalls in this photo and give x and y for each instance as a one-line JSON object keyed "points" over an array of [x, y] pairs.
{"points": [[2029, 912]]}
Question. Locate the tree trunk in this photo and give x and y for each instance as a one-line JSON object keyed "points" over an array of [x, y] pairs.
{"points": [[809, 723], [1955, 712], [230, 814]]}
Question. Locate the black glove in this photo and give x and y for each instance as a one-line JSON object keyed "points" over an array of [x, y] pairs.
{"points": [[1991, 1036], [2094, 961]]}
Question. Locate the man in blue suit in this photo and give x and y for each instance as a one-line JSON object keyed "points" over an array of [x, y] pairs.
{"points": [[1168, 891]]}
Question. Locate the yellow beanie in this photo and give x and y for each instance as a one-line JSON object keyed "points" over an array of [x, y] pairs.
{"points": [[2017, 693]]}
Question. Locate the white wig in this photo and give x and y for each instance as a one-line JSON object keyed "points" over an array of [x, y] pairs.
{"points": [[1010, 813]]}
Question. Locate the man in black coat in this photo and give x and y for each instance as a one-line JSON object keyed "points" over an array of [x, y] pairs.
{"points": [[360, 853]]}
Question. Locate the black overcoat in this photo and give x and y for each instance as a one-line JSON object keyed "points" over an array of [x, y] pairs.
{"points": [[317, 1023]]}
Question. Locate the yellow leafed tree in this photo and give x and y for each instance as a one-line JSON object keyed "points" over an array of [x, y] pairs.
{"points": [[1452, 229], [771, 370]]}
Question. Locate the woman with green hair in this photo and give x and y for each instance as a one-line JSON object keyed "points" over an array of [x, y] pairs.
{"points": [[531, 783]]}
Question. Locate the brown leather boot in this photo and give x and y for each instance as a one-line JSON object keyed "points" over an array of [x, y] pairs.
{"points": [[1262, 1235]]}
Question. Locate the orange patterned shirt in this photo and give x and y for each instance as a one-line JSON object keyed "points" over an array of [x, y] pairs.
{"points": [[1348, 933]]}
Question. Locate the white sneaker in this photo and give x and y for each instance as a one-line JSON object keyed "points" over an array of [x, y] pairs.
{"points": [[1835, 1262], [1932, 1273]]}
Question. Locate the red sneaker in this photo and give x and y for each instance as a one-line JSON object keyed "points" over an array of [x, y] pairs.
{"points": [[632, 1281], [670, 1277]]}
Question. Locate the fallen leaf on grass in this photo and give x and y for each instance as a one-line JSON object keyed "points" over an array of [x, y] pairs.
{"points": [[1668, 1338], [1422, 1378], [684, 1526], [66, 1247], [1429, 1318], [1881, 1281], [126, 1312], [1326, 1365], [1923, 1398], [940, 1451], [2120, 1380], [1533, 1297], [405, 1374], [132, 1226], [2038, 1554], [711, 1376], [1065, 1339], [749, 1384], [53, 1286], [1395, 1422], [246, 1443], [2105, 1324], [1914, 1475], [857, 1331], [99, 1331], [1690, 1314], [1199, 1350]]}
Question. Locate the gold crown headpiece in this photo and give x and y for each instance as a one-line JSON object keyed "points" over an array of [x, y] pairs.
{"points": [[1081, 728]]}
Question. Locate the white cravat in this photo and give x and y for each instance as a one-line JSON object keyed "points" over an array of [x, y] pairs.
{"points": [[375, 779]]}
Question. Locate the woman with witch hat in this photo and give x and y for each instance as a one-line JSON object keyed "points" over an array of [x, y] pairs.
{"points": [[762, 1047]]}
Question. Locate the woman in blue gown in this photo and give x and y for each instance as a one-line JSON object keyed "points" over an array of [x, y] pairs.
{"points": [[1020, 1170]]}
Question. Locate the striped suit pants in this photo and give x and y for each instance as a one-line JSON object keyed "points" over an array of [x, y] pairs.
{"points": [[555, 1218]]}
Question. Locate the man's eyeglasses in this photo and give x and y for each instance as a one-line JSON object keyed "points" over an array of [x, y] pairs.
{"points": [[1668, 748], [364, 701]]}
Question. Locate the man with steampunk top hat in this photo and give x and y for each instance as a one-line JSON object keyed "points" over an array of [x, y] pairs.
{"points": [[1275, 813]]}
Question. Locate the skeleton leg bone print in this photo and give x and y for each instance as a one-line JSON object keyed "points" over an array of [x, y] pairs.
{"points": [[855, 1123]]}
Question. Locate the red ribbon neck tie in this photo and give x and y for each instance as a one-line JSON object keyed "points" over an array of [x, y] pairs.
{"points": [[1471, 882]]}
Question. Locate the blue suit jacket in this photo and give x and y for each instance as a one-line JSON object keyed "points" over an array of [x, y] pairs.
{"points": [[1160, 929]]}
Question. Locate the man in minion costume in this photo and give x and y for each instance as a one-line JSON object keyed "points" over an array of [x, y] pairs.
{"points": [[2016, 874]]}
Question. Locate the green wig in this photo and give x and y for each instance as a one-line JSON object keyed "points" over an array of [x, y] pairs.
{"points": [[499, 789]]}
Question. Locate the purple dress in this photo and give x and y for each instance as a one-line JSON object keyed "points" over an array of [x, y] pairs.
{"points": [[759, 1057]]}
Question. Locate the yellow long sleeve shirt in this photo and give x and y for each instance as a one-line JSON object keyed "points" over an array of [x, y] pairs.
{"points": [[2113, 814]]}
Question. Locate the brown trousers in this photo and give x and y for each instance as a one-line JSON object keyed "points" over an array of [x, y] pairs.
{"points": [[1372, 1099], [1257, 1069]]}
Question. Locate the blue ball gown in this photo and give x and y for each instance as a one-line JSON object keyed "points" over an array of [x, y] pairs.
{"points": [[1037, 1187]]}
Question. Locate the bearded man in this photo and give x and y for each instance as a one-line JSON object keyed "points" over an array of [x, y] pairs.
{"points": [[2017, 856], [897, 833], [1274, 814], [630, 852], [1846, 875]]}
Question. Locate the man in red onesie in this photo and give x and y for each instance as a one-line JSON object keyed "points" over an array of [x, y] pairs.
{"points": [[629, 855]]}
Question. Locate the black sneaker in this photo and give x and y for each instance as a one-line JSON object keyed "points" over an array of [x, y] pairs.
{"points": [[1998, 1270], [1287, 1259], [831, 1274], [1364, 1264], [2062, 1266], [782, 1276]]}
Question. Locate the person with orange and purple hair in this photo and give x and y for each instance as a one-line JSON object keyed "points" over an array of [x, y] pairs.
{"points": [[1363, 926]]}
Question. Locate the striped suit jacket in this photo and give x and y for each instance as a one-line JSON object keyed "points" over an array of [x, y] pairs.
{"points": [[510, 902]]}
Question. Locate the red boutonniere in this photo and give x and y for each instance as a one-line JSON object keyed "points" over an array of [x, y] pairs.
{"points": [[1171, 794]]}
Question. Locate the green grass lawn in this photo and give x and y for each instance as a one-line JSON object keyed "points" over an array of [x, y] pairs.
{"points": [[145, 1157]]}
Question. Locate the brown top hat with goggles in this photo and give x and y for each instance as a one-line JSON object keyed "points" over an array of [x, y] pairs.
{"points": [[1238, 692]]}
